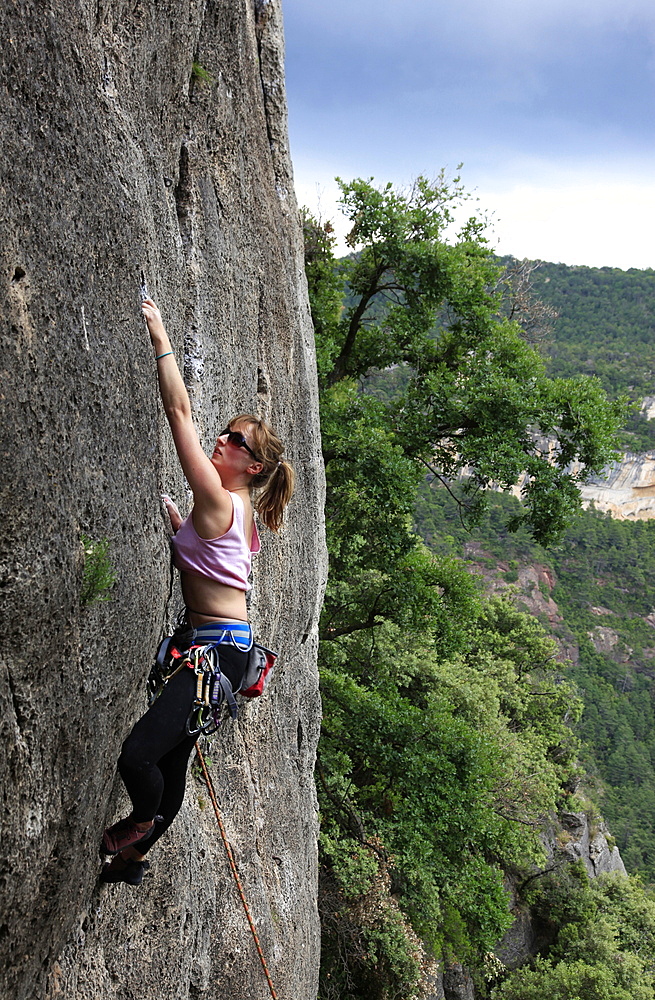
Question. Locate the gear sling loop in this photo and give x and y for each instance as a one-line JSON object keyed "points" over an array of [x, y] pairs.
{"points": [[212, 795]]}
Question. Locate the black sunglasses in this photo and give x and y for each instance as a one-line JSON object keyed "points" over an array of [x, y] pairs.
{"points": [[237, 439]]}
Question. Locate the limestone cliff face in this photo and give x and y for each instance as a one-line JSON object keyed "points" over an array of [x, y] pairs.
{"points": [[588, 842], [626, 490], [118, 159]]}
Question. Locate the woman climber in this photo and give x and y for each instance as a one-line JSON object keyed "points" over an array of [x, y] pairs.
{"points": [[212, 548]]}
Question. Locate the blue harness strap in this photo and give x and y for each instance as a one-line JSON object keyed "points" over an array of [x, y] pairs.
{"points": [[238, 634]]}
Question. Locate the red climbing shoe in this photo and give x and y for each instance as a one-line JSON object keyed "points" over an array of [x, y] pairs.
{"points": [[123, 834]]}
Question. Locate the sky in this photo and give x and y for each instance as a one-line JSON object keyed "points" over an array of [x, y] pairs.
{"points": [[548, 104]]}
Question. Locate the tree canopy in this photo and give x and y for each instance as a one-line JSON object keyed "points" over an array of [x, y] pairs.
{"points": [[464, 393]]}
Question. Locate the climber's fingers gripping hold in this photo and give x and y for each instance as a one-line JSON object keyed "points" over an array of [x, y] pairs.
{"points": [[173, 513], [152, 316]]}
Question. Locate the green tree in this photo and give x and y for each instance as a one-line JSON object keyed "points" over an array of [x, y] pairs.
{"points": [[445, 729], [437, 759], [474, 395], [579, 980], [604, 947]]}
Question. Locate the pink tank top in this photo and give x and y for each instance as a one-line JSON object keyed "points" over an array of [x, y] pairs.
{"points": [[225, 559]]}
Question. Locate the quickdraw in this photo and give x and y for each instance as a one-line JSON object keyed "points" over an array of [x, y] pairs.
{"points": [[212, 686], [212, 689]]}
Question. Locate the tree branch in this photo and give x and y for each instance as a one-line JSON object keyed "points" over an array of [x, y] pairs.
{"points": [[341, 362], [334, 633]]}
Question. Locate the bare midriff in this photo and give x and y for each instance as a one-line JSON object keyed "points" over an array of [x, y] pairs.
{"points": [[212, 601]]}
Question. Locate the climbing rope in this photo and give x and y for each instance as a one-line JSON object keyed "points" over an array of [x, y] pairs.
{"points": [[212, 795]]}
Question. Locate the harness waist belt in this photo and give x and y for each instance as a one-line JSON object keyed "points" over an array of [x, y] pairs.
{"points": [[238, 634]]}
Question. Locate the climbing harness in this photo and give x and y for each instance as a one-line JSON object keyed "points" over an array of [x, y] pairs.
{"points": [[198, 650], [228, 849]]}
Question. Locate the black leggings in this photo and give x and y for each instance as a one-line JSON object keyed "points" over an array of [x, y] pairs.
{"points": [[155, 756]]}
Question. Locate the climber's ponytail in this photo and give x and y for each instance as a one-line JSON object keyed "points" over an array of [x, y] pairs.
{"points": [[276, 479], [276, 495]]}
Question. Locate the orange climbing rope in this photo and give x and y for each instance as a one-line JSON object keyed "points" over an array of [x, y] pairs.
{"points": [[212, 795]]}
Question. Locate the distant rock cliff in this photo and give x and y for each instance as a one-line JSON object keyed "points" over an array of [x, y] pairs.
{"points": [[627, 490], [590, 844], [147, 138]]}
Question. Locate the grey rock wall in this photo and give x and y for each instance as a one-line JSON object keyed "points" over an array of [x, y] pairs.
{"points": [[588, 843], [626, 489], [569, 838], [115, 161]]}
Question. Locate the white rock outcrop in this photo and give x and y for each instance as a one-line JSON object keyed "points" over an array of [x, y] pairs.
{"points": [[627, 491]]}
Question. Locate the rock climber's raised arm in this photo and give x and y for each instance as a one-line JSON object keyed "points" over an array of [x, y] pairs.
{"points": [[202, 476]]}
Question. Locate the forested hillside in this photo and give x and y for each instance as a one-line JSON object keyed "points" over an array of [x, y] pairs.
{"points": [[605, 325], [604, 570], [602, 580], [452, 734]]}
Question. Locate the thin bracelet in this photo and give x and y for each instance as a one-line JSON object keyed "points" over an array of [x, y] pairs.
{"points": [[163, 355]]}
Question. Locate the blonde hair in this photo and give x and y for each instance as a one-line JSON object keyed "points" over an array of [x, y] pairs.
{"points": [[276, 479]]}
